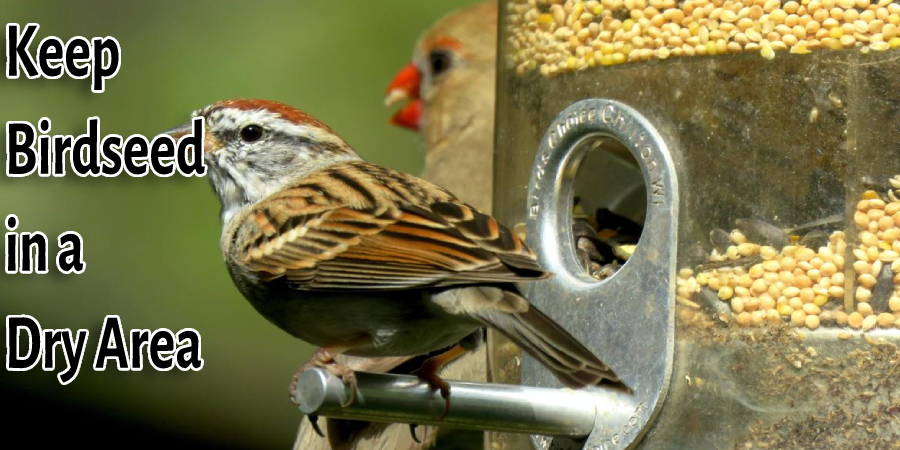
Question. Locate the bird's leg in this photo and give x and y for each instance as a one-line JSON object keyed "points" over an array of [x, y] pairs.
{"points": [[429, 372], [469, 343]]}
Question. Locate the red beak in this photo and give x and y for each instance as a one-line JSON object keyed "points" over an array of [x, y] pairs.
{"points": [[405, 86]]}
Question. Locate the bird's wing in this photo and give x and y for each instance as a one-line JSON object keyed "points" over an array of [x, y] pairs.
{"points": [[358, 226]]}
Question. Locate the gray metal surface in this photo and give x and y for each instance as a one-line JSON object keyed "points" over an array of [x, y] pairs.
{"points": [[640, 294], [479, 406], [628, 318]]}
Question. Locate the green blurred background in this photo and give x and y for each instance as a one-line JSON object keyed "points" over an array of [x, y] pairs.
{"points": [[151, 244]]}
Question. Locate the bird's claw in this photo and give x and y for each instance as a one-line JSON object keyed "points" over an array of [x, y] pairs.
{"points": [[323, 358], [348, 376], [436, 383], [412, 431], [292, 388], [314, 421]]}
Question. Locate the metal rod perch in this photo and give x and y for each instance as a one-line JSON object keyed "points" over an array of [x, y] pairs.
{"points": [[479, 406]]}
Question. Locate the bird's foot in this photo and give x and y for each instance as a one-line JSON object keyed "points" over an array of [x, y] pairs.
{"points": [[292, 388], [432, 367], [348, 376], [324, 358], [436, 383]]}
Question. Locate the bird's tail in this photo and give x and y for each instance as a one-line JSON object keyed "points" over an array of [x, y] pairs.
{"points": [[544, 339]]}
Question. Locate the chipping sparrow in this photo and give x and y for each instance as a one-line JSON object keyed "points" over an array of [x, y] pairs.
{"points": [[363, 260], [452, 108]]}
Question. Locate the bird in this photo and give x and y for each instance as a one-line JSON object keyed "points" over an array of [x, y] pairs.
{"points": [[447, 95], [451, 107], [363, 260]]}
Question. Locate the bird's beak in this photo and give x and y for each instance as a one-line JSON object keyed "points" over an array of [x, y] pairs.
{"points": [[405, 86], [210, 143], [179, 131]]}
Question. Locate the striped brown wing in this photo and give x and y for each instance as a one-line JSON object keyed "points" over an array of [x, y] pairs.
{"points": [[344, 229]]}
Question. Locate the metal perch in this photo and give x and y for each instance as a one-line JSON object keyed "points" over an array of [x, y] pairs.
{"points": [[478, 406]]}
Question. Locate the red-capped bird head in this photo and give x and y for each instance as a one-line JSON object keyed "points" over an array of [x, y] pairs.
{"points": [[452, 70], [253, 148]]}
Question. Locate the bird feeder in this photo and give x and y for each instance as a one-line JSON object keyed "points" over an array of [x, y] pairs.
{"points": [[761, 306]]}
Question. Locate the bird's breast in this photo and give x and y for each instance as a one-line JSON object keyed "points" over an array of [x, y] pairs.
{"points": [[382, 323]]}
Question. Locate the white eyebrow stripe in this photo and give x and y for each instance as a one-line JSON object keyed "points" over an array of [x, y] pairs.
{"points": [[232, 118]]}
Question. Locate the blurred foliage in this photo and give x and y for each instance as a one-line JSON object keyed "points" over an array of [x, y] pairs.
{"points": [[151, 244]]}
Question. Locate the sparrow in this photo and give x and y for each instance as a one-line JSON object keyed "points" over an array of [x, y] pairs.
{"points": [[446, 94], [363, 260]]}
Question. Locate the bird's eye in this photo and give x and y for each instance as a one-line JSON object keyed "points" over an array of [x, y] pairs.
{"points": [[251, 133], [440, 61]]}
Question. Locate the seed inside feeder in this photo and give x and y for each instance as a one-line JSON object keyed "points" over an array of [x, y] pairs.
{"points": [[576, 35], [805, 286]]}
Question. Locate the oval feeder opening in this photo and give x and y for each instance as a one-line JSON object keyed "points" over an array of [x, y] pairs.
{"points": [[609, 205]]}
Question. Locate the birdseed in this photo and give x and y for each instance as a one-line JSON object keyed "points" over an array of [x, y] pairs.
{"points": [[807, 287], [556, 36]]}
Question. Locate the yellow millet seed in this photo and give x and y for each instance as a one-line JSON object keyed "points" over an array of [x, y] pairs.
{"points": [[841, 318], [885, 320], [894, 304], [767, 252], [785, 309], [812, 322], [866, 280], [869, 323], [864, 308], [811, 308], [726, 292], [820, 300], [788, 263], [766, 50], [759, 286], [889, 256]]}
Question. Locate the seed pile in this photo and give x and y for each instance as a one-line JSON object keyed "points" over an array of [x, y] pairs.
{"points": [[841, 395], [556, 36], [808, 287]]}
